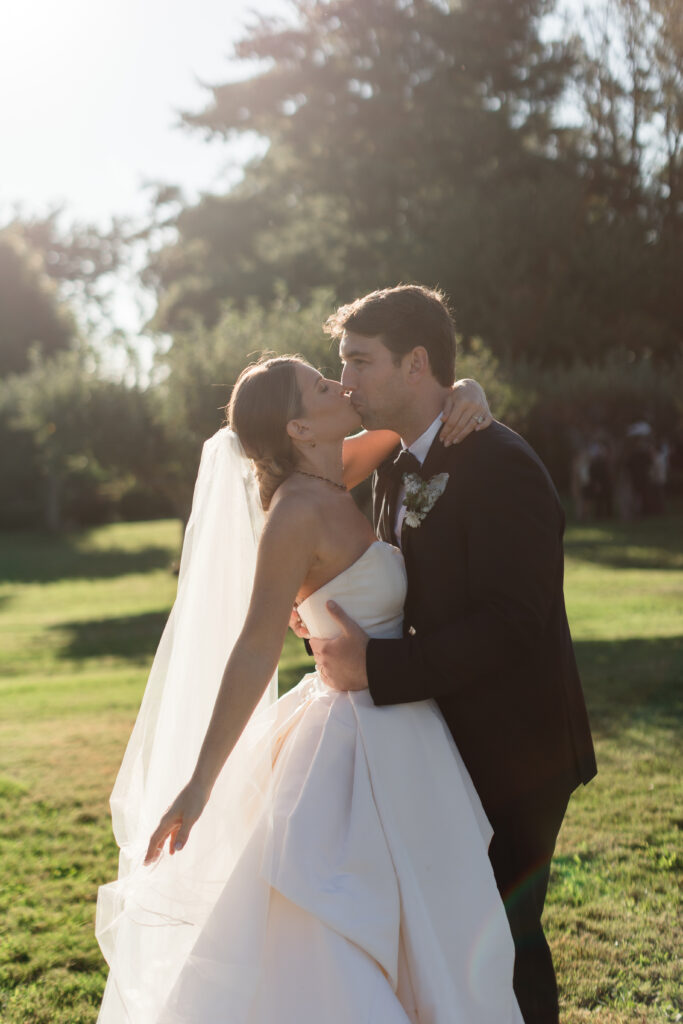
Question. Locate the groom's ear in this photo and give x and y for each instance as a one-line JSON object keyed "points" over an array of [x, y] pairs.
{"points": [[417, 363]]}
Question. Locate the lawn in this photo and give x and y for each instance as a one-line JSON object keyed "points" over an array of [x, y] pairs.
{"points": [[79, 622]]}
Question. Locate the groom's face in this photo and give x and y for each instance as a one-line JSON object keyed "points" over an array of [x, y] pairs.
{"points": [[376, 383]]}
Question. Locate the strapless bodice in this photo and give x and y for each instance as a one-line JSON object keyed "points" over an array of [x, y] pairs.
{"points": [[372, 591]]}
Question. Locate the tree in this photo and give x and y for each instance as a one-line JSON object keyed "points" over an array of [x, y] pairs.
{"points": [[391, 126], [83, 260], [630, 160], [87, 440], [203, 363], [31, 313], [424, 140], [74, 254]]}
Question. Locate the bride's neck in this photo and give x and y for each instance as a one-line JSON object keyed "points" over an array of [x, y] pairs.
{"points": [[324, 460]]}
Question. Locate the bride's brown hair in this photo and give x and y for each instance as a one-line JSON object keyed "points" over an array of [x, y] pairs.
{"points": [[265, 398]]}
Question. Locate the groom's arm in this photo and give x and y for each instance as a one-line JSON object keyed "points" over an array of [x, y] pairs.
{"points": [[514, 562]]}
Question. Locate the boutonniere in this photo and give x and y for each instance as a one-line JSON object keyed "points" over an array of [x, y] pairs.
{"points": [[421, 496]]}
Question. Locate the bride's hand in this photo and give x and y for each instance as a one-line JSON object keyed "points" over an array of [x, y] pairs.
{"points": [[465, 410], [177, 822]]}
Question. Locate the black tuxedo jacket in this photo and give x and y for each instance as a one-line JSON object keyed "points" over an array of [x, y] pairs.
{"points": [[485, 630]]}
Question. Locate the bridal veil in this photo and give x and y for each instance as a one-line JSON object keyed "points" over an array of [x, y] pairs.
{"points": [[148, 919]]}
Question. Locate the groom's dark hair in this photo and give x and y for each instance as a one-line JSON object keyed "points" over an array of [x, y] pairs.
{"points": [[404, 316]]}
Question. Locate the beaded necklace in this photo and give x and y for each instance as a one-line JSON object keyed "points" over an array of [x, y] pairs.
{"points": [[325, 478]]}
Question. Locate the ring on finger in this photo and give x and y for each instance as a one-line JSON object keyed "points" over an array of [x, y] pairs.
{"points": [[478, 419]]}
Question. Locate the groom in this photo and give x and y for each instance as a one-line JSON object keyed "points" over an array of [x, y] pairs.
{"points": [[485, 630]]}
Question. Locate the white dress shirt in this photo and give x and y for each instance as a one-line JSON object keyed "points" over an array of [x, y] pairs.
{"points": [[419, 449]]}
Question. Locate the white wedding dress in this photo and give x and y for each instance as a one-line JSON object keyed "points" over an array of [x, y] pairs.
{"points": [[363, 891]]}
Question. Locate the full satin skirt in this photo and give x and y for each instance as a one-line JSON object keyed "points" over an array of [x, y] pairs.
{"points": [[362, 892]]}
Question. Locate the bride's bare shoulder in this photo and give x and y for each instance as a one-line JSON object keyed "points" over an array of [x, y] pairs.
{"points": [[294, 512]]}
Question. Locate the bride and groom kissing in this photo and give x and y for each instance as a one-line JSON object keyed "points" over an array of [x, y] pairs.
{"points": [[391, 853]]}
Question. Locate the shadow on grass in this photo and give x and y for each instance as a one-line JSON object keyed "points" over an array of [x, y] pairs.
{"points": [[634, 680], [133, 637], [655, 543], [598, 552], [41, 559]]}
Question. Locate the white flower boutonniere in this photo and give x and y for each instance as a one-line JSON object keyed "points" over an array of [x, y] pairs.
{"points": [[421, 496]]}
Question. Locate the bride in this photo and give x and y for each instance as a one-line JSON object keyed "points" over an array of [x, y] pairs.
{"points": [[334, 855]]}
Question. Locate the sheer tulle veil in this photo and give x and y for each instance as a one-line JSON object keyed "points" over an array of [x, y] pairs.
{"points": [[147, 920]]}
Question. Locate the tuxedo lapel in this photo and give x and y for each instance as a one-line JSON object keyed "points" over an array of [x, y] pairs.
{"points": [[435, 459]]}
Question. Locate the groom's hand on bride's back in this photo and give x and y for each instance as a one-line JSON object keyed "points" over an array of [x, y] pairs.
{"points": [[340, 662]]}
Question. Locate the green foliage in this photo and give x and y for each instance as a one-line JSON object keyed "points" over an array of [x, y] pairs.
{"points": [[78, 254], [203, 364], [475, 360], [392, 127], [555, 410], [629, 88], [558, 412], [77, 443], [422, 141], [80, 617], [404, 140], [31, 314]]}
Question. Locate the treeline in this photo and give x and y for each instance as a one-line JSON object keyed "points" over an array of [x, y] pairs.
{"points": [[530, 167], [536, 176]]}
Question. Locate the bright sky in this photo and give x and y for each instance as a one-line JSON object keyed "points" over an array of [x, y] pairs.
{"points": [[89, 97], [89, 94]]}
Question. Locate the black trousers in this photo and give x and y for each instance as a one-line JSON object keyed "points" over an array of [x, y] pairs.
{"points": [[520, 852]]}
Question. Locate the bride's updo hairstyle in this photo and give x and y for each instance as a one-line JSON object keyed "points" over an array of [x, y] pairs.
{"points": [[265, 397]]}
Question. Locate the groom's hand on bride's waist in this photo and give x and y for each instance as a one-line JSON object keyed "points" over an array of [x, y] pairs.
{"points": [[296, 624], [340, 662]]}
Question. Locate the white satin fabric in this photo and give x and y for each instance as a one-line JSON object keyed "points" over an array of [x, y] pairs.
{"points": [[363, 892]]}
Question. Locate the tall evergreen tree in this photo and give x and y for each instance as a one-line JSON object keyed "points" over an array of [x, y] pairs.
{"points": [[386, 121], [422, 140]]}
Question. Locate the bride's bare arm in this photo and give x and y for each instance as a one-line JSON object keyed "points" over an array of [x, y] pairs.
{"points": [[466, 410], [285, 554], [362, 454]]}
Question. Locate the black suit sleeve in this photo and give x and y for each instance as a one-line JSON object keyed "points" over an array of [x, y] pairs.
{"points": [[514, 529]]}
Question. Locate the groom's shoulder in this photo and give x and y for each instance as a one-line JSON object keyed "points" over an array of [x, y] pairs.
{"points": [[496, 442], [500, 439], [499, 447]]}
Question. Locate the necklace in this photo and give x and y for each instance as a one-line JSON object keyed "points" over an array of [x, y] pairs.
{"points": [[325, 478]]}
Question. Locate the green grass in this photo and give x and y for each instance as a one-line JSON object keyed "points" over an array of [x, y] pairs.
{"points": [[79, 622]]}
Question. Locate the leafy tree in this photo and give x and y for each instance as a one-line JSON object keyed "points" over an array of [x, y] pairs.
{"points": [[84, 261], [204, 362], [630, 160], [390, 126], [558, 413], [30, 311], [86, 440], [422, 140], [75, 254]]}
